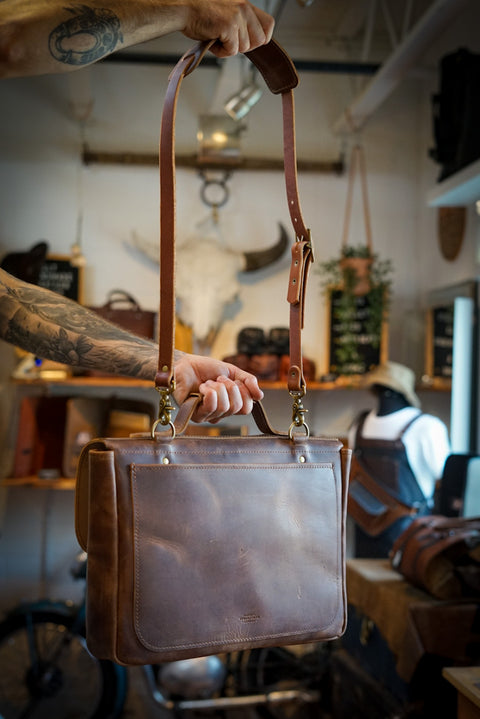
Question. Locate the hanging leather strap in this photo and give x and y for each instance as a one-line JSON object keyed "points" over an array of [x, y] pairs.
{"points": [[280, 76]]}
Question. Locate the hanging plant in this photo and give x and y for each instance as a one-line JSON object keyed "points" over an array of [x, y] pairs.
{"points": [[355, 265], [353, 291], [358, 284]]}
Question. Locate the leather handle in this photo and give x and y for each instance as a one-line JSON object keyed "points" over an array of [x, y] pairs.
{"points": [[271, 60], [121, 297], [187, 409], [281, 78]]}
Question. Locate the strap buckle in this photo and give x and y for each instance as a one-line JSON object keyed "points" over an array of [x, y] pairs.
{"points": [[308, 243]]}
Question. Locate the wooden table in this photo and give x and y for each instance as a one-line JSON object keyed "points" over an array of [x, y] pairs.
{"points": [[412, 622], [467, 682]]}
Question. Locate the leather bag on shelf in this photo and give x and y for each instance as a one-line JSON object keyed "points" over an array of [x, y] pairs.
{"points": [[123, 310], [441, 555], [204, 544]]}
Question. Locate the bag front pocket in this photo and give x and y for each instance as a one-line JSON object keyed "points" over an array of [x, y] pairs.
{"points": [[242, 554]]}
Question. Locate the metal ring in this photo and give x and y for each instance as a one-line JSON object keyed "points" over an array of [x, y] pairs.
{"points": [[292, 427], [170, 424], [217, 183]]}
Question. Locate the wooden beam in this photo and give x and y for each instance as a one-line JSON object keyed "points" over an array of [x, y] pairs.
{"points": [[89, 157]]}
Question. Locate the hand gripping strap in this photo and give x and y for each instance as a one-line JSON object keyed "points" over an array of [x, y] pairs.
{"points": [[280, 76]]}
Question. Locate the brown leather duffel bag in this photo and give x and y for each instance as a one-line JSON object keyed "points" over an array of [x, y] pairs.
{"points": [[441, 555]]}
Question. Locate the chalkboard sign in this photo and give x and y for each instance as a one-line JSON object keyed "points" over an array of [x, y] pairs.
{"points": [[439, 350], [357, 337], [59, 275]]}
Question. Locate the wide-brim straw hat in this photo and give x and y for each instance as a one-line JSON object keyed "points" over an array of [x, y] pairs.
{"points": [[397, 377]]}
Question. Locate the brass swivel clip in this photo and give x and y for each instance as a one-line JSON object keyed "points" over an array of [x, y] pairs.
{"points": [[165, 409], [298, 414]]}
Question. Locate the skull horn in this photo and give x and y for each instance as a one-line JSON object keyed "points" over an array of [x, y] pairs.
{"points": [[262, 258]]}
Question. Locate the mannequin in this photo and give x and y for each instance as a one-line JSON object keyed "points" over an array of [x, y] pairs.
{"points": [[388, 400], [402, 449]]}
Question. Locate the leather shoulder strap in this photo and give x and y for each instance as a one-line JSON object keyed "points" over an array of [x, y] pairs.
{"points": [[281, 78], [363, 417], [360, 423], [409, 424]]}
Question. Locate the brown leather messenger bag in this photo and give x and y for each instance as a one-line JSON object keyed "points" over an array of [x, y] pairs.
{"points": [[201, 545]]}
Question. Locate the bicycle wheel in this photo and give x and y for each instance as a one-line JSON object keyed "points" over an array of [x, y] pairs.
{"points": [[47, 671]]}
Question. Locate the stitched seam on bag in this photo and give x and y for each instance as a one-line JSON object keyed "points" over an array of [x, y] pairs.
{"points": [[137, 563], [206, 452], [230, 642], [318, 631], [341, 579], [240, 465]]}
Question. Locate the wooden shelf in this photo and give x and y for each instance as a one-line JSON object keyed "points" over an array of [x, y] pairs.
{"points": [[341, 383], [73, 383], [34, 481], [121, 382]]}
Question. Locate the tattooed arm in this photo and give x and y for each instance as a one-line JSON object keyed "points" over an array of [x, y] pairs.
{"points": [[50, 36], [55, 328]]}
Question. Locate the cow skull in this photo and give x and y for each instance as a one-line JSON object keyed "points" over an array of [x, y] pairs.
{"points": [[207, 278]]}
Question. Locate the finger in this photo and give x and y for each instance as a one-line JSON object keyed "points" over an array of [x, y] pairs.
{"points": [[267, 22], [249, 31], [215, 402], [260, 30], [209, 402], [249, 380], [253, 27], [240, 402], [251, 383], [222, 399], [226, 45], [229, 399], [238, 396], [245, 33], [247, 401]]}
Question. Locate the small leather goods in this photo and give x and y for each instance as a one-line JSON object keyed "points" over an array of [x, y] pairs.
{"points": [[199, 545], [441, 555]]}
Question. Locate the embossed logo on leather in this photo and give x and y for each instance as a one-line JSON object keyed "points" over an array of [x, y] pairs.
{"points": [[250, 617]]}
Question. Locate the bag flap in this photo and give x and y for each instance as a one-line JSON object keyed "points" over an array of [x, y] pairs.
{"points": [[278, 558]]}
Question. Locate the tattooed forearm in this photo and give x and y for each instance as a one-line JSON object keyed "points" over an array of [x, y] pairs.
{"points": [[52, 327], [121, 353], [55, 328], [50, 36], [90, 34], [50, 307]]}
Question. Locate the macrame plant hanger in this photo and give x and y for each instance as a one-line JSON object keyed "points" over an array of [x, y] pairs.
{"points": [[356, 261]]}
